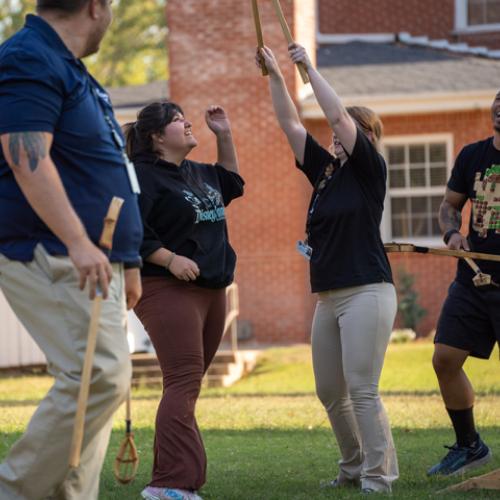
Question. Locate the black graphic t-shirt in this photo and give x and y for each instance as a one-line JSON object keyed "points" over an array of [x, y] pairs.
{"points": [[183, 209], [477, 175], [344, 229]]}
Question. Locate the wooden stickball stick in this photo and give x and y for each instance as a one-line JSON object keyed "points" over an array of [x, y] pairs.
{"points": [[408, 247], [286, 31], [260, 38], [106, 241]]}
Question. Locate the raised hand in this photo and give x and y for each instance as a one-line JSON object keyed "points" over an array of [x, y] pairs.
{"points": [[270, 61], [299, 55], [217, 120]]}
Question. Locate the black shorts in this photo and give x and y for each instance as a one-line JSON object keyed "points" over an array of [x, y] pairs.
{"points": [[470, 320]]}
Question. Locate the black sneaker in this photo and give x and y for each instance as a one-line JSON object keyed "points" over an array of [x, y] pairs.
{"points": [[461, 459]]}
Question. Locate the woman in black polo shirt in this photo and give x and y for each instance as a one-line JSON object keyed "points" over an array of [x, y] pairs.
{"points": [[188, 262], [350, 272]]}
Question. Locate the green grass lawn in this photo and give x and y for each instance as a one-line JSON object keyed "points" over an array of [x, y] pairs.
{"points": [[267, 437]]}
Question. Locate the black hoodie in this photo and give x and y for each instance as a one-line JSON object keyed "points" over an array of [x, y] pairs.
{"points": [[182, 209]]}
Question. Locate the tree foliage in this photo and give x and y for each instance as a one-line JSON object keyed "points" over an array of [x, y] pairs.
{"points": [[134, 49]]}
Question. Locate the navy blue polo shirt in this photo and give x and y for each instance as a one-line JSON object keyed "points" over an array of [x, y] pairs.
{"points": [[44, 88]]}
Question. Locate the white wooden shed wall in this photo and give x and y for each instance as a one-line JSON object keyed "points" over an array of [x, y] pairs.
{"points": [[17, 348]]}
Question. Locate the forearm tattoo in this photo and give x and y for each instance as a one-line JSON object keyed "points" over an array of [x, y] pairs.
{"points": [[34, 146], [450, 217]]}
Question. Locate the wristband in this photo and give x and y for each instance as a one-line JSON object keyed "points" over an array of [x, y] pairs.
{"points": [[169, 261], [449, 234]]}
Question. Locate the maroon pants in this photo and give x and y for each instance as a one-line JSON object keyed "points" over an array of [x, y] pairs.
{"points": [[185, 323]]}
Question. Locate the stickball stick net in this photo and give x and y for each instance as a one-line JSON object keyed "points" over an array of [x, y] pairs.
{"points": [[127, 459]]}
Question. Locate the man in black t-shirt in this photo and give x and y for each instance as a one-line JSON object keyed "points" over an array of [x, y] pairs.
{"points": [[470, 319]]}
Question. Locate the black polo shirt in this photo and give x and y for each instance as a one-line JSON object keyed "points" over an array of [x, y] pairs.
{"points": [[347, 249], [44, 88]]}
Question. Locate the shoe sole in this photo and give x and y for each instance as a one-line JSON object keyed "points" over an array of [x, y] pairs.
{"points": [[472, 465], [147, 496]]}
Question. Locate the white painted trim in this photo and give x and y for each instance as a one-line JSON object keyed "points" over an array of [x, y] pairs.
{"points": [[385, 226], [326, 38], [460, 14], [477, 28], [398, 104]]}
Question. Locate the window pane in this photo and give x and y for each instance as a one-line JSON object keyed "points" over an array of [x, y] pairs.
{"points": [[417, 177], [415, 167], [419, 205], [400, 206], [438, 176], [437, 153], [400, 228], [417, 153], [419, 226], [436, 231], [397, 178], [396, 154], [436, 203], [492, 11], [475, 12]]}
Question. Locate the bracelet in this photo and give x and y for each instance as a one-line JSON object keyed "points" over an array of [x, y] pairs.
{"points": [[449, 234], [169, 261]]}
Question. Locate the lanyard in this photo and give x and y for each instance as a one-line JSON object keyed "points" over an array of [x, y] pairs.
{"points": [[319, 188], [117, 139]]}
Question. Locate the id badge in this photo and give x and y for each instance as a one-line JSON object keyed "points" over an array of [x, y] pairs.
{"points": [[132, 176], [304, 249]]}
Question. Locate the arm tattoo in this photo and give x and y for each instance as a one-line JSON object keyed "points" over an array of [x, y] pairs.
{"points": [[34, 147], [450, 217]]}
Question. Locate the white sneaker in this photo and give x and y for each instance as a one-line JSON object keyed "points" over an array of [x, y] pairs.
{"points": [[153, 493]]}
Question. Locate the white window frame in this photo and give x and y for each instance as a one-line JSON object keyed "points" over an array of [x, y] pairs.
{"points": [[462, 24], [408, 140]]}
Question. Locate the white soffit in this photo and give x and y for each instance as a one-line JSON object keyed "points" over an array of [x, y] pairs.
{"points": [[404, 104]]}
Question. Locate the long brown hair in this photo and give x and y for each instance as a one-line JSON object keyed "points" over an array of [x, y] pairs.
{"points": [[368, 121], [150, 120]]}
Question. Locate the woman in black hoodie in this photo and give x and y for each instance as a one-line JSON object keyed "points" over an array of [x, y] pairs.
{"points": [[188, 262]]}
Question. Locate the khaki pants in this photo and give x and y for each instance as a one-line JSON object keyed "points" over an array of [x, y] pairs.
{"points": [[45, 296], [350, 333]]}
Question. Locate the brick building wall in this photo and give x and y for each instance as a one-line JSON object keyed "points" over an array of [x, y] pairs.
{"points": [[435, 19], [213, 62], [432, 274], [212, 46]]}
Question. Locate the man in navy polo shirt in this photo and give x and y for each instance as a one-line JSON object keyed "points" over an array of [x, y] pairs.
{"points": [[61, 162]]}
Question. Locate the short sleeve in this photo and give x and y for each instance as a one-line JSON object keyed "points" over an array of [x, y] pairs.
{"points": [[31, 94], [366, 159], [458, 180], [316, 158], [231, 184]]}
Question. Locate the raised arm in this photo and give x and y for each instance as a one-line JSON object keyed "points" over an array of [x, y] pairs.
{"points": [[342, 124], [219, 124], [450, 219], [283, 105], [27, 154]]}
